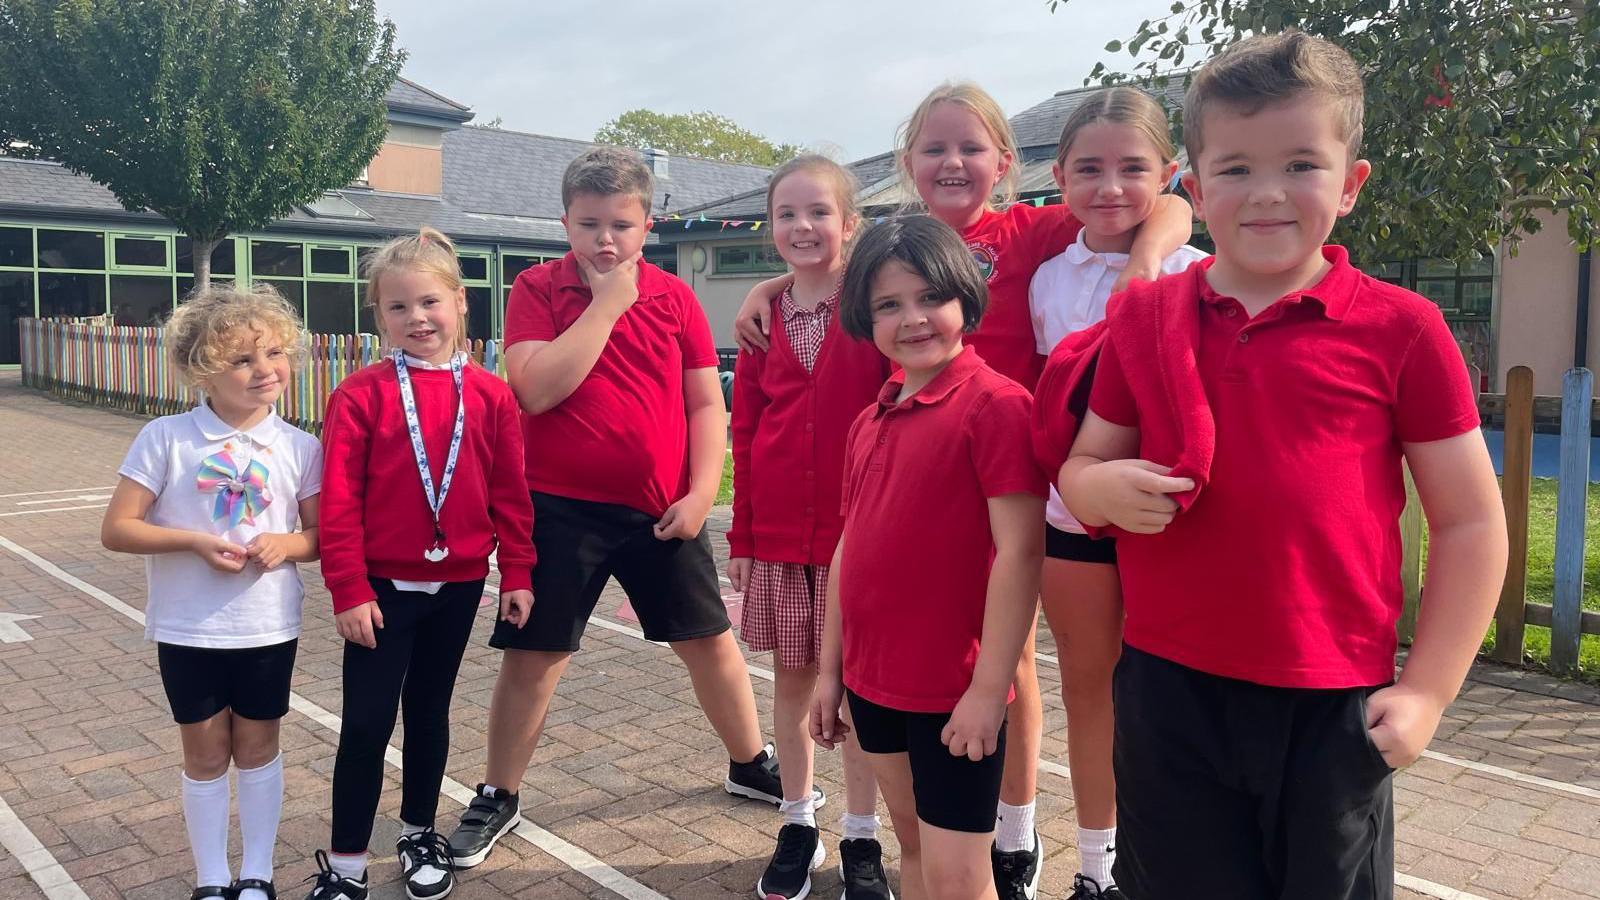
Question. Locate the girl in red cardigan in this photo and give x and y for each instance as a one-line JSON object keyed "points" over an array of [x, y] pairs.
{"points": [[425, 481], [792, 408]]}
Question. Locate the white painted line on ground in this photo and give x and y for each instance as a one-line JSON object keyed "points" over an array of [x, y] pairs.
{"points": [[575, 857], [1421, 886], [35, 859], [34, 512], [10, 631], [61, 491], [83, 497], [1511, 775]]}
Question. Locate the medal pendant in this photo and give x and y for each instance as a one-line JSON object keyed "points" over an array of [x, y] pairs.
{"points": [[435, 553]]}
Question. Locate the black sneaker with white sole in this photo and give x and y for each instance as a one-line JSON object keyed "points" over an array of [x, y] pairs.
{"points": [[425, 861], [758, 780], [330, 885], [490, 815], [1016, 874], [861, 870], [1086, 888], [788, 875]]}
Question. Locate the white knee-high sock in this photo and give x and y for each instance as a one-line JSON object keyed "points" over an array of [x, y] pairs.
{"points": [[260, 806], [205, 815]]}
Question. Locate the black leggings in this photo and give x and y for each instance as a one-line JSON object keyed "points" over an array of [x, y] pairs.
{"points": [[418, 654]]}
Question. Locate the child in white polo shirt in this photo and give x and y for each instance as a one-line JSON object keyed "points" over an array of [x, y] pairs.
{"points": [[213, 499]]}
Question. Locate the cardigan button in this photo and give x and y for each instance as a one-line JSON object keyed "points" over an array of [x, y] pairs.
{"points": [[810, 427], [810, 475], [1244, 337]]}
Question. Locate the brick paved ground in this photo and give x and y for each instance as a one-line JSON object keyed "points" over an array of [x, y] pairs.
{"points": [[629, 772]]}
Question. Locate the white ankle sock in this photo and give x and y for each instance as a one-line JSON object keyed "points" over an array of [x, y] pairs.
{"points": [[1097, 848], [260, 807], [205, 815], [858, 828], [1014, 830], [800, 812], [348, 865]]}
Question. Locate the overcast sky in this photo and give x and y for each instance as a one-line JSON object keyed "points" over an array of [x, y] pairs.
{"points": [[835, 75]]}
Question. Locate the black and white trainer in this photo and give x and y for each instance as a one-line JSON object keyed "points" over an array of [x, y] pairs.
{"points": [[788, 875], [1086, 888], [330, 885], [758, 780], [861, 870], [425, 860], [490, 815], [1016, 874]]}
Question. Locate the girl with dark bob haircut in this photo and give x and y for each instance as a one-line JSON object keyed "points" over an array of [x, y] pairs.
{"points": [[924, 245]]}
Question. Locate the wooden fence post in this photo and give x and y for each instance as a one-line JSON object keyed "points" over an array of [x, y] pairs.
{"points": [[1510, 615], [1566, 612]]}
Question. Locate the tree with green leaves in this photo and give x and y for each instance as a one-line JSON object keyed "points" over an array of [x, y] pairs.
{"points": [[702, 134], [1480, 114], [220, 115]]}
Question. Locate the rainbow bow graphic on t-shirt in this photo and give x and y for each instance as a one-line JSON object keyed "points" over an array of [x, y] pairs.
{"points": [[240, 497]]}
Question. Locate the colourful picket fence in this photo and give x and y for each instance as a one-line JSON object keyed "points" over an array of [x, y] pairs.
{"points": [[126, 367]]}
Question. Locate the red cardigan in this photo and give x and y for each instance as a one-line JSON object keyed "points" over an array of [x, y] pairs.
{"points": [[1155, 327], [375, 516], [789, 430]]}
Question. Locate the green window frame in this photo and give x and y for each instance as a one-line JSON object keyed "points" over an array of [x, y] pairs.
{"points": [[748, 259], [1463, 292], [115, 240]]}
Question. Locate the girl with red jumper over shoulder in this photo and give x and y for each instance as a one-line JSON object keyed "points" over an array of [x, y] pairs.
{"points": [[425, 483]]}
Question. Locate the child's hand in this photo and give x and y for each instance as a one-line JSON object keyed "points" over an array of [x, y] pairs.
{"points": [[974, 727], [683, 520], [616, 290], [515, 607], [739, 572], [360, 624], [268, 550], [1401, 721], [1132, 493], [219, 553], [827, 726], [1137, 269]]}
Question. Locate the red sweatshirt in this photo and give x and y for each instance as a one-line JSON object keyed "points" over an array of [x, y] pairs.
{"points": [[789, 429], [375, 516]]}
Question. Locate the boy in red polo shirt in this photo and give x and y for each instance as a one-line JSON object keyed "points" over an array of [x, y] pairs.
{"points": [[1245, 433], [624, 430]]}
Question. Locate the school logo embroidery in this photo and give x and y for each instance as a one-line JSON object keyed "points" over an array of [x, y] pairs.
{"points": [[986, 256]]}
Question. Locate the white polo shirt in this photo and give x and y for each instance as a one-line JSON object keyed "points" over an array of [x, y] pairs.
{"points": [[1068, 294], [199, 467]]}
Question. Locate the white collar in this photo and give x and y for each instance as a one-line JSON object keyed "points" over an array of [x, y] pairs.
{"points": [[416, 363], [1078, 253], [211, 425]]}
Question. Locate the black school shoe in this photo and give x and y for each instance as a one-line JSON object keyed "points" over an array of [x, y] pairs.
{"points": [[1086, 888], [1016, 874], [758, 780], [861, 870], [210, 890], [788, 875], [240, 885], [330, 885], [488, 818], [425, 860]]}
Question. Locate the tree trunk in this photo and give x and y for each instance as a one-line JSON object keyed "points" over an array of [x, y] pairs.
{"points": [[202, 260]]}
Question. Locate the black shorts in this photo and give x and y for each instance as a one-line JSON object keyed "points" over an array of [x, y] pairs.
{"points": [[203, 681], [1274, 792], [672, 585], [1074, 547], [952, 792]]}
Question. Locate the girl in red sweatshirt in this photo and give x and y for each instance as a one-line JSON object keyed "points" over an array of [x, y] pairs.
{"points": [[425, 481]]}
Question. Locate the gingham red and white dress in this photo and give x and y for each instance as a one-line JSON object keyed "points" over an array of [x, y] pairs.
{"points": [[784, 602]]}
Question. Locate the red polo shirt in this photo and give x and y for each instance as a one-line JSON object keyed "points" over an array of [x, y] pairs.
{"points": [[622, 436], [1286, 569], [789, 430], [1008, 247], [914, 578]]}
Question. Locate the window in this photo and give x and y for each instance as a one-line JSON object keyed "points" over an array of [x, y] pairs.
{"points": [[136, 251], [1463, 292], [330, 261], [222, 261], [474, 268], [140, 299], [749, 259], [72, 249], [512, 265], [274, 258], [16, 302], [330, 307], [292, 291], [480, 313], [71, 295], [16, 248]]}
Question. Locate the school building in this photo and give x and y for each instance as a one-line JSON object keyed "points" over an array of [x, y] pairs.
{"points": [[68, 248], [1532, 309]]}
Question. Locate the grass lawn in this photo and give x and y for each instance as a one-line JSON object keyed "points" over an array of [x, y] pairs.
{"points": [[1541, 575], [725, 491]]}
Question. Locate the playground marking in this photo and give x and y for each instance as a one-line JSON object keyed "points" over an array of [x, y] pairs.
{"points": [[1512, 775], [573, 856], [61, 491], [34, 512], [1421, 886], [35, 859]]}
